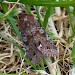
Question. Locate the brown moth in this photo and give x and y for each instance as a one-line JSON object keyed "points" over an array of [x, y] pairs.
{"points": [[35, 39]]}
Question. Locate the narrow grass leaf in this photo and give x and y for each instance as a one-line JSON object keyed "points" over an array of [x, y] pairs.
{"points": [[49, 12], [61, 3], [73, 53], [1, 14], [4, 7], [14, 43], [71, 20], [14, 12], [12, 0], [38, 15], [26, 59], [42, 64], [28, 8], [69, 38], [23, 72], [12, 20], [13, 24], [48, 3], [1, 0], [74, 11]]}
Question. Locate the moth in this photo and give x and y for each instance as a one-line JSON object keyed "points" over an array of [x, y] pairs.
{"points": [[35, 39]]}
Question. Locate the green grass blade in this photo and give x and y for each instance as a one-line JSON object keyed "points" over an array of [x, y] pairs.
{"points": [[61, 3], [49, 12], [38, 15], [1, 14], [73, 53], [4, 7], [1, 0], [14, 12], [71, 20], [74, 11], [12, 0], [13, 22], [69, 38], [42, 64], [28, 8], [49, 3], [23, 72], [27, 60], [14, 43]]}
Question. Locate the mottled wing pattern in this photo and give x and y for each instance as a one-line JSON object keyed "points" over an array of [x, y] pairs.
{"points": [[35, 39]]}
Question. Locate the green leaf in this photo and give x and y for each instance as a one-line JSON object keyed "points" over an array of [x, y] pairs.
{"points": [[42, 64], [1, 0], [1, 14], [60, 3], [14, 12], [14, 43], [12, 0], [71, 20], [73, 53], [13, 24], [38, 15], [74, 11], [50, 34], [49, 12], [49, 3], [4, 7], [26, 59], [23, 72], [70, 38], [11, 20], [54, 3], [28, 8]]}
